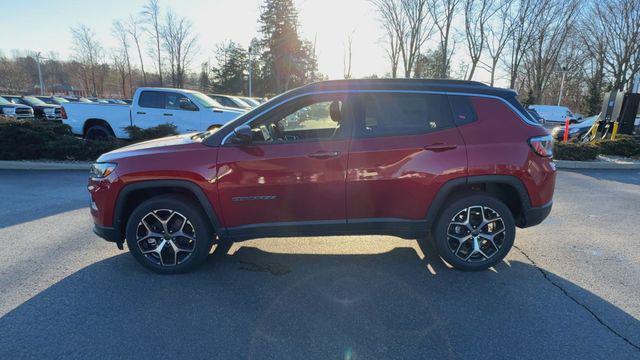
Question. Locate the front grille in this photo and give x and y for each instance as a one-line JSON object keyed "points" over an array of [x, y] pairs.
{"points": [[23, 111]]}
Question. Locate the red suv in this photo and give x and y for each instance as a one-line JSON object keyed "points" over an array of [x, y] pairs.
{"points": [[458, 162]]}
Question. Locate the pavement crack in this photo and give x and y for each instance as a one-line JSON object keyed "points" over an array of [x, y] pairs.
{"points": [[274, 269], [546, 276]]}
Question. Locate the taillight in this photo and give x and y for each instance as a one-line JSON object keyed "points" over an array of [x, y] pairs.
{"points": [[63, 113], [542, 145]]}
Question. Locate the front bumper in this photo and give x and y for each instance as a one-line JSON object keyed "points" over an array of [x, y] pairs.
{"points": [[535, 215], [108, 233]]}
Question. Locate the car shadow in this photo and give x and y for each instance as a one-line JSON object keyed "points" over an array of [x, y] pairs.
{"points": [[30, 194], [257, 304]]}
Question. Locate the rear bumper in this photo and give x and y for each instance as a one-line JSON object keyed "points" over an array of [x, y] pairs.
{"points": [[535, 215]]}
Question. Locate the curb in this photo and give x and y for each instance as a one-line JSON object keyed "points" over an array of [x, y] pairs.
{"points": [[596, 165], [41, 165]]}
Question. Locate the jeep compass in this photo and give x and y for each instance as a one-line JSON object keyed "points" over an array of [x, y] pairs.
{"points": [[458, 162]]}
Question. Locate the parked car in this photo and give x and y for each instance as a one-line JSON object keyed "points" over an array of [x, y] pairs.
{"points": [[577, 130], [77, 99], [189, 111], [370, 157], [16, 111], [253, 102], [41, 110], [230, 101], [554, 114], [536, 116], [53, 100]]}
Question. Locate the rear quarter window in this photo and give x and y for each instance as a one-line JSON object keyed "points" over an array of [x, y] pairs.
{"points": [[462, 110]]}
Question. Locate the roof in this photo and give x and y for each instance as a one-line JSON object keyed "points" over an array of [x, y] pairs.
{"points": [[443, 85]]}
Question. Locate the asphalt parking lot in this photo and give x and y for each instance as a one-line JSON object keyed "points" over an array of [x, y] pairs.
{"points": [[571, 288]]}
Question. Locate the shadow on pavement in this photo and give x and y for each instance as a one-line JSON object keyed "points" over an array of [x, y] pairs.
{"points": [[257, 304], [31, 195]]}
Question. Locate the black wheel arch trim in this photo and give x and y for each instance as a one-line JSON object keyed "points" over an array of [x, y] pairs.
{"points": [[119, 222], [446, 190]]}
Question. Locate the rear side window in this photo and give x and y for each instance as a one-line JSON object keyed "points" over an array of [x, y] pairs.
{"points": [[388, 114], [527, 117], [462, 110], [151, 99]]}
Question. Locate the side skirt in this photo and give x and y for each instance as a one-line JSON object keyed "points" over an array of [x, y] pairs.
{"points": [[406, 229]]}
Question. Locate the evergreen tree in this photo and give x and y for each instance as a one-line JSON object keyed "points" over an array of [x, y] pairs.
{"points": [[230, 74], [288, 61]]}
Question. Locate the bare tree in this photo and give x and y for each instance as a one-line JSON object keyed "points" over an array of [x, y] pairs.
{"points": [[620, 20], [522, 22], [409, 27], [394, 24], [151, 12], [88, 52], [119, 61], [498, 32], [477, 14], [179, 43], [442, 12], [552, 29], [346, 61], [134, 31], [121, 33]]}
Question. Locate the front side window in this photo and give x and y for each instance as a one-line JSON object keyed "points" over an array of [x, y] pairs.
{"points": [[389, 114], [311, 118], [174, 101]]}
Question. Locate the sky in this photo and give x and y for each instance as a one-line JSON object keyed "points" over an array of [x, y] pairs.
{"points": [[328, 22]]}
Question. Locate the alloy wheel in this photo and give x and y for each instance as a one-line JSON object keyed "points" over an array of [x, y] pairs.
{"points": [[166, 237], [476, 233]]}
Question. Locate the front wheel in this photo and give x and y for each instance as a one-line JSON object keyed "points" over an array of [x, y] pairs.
{"points": [[169, 234], [475, 233]]}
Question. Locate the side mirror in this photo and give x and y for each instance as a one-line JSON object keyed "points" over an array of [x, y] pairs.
{"points": [[189, 106], [242, 135]]}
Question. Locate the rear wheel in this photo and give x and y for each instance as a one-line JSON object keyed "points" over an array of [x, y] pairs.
{"points": [[98, 132], [169, 234], [475, 233]]}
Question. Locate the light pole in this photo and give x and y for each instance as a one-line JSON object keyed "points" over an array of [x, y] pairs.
{"points": [[564, 72], [40, 74], [250, 72]]}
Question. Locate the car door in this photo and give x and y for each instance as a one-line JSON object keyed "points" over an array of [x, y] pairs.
{"points": [[182, 112], [150, 111], [293, 171], [404, 147]]}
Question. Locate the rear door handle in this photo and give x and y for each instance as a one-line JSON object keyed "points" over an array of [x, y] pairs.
{"points": [[167, 114], [324, 154], [141, 113], [440, 147]]}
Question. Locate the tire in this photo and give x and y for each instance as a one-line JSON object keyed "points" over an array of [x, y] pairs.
{"points": [[462, 219], [186, 228], [99, 132]]}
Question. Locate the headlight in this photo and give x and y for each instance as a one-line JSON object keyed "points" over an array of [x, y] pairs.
{"points": [[9, 111], [49, 111], [101, 170]]}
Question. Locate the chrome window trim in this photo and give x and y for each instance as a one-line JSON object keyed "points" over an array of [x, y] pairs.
{"points": [[522, 117]]}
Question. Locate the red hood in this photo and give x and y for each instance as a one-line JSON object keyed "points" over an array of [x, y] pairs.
{"points": [[157, 146]]}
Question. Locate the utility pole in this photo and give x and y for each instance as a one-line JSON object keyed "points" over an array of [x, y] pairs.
{"points": [[250, 72], [564, 72], [40, 74]]}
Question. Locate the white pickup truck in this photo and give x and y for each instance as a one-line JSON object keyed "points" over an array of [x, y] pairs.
{"points": [[189, 111]]}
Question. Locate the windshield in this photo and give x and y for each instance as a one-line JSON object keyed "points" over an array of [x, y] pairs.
{"points": [[34, 100], [243, 104], [205, 101], [60, 100], [4, 101]]}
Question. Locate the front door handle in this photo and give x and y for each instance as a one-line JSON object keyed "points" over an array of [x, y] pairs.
{"points": [[167, 114], [440, 147], [141, 113], [324, 154]]}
